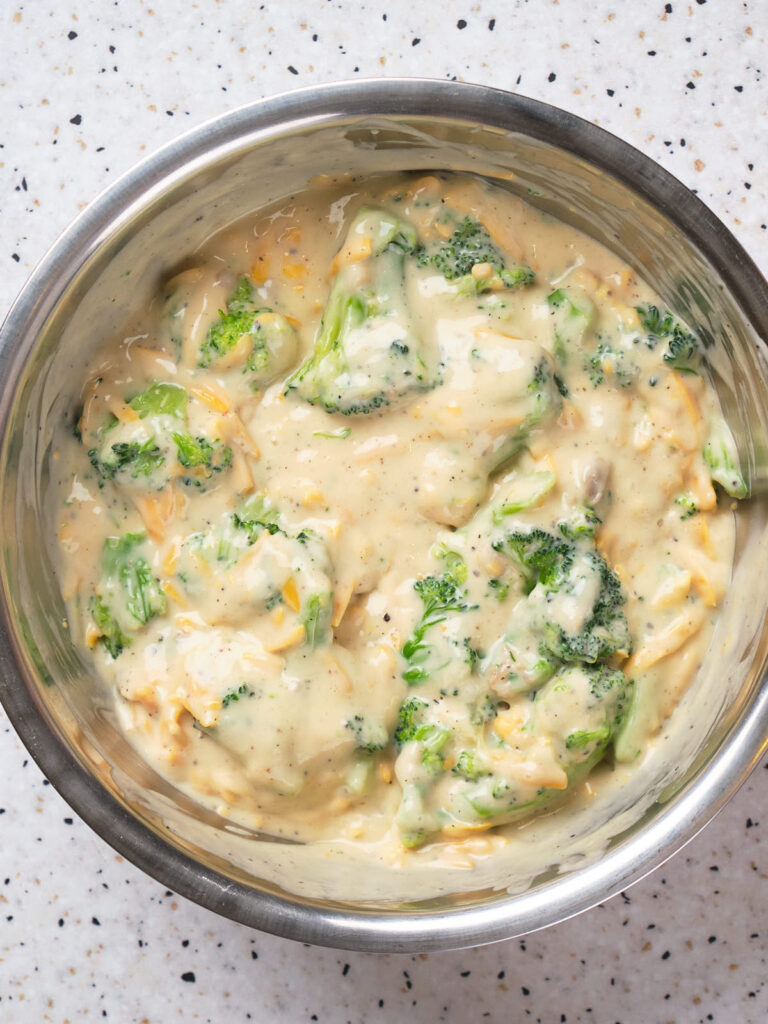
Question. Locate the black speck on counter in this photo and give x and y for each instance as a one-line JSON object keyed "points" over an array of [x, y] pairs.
{"points": [[551, 77], [491, 24], [72, 34], [292, 69], [188, 976], [77, 119], [461, 23], [415, 41]]}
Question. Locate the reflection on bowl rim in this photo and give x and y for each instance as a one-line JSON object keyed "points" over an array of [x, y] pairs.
{"points": [[702, 796]]}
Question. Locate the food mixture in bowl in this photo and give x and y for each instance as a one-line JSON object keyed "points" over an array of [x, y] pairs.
{"points": [[404, 515]]}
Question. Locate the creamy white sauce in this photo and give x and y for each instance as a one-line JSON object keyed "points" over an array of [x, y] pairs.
{"points": [[265, 656]]}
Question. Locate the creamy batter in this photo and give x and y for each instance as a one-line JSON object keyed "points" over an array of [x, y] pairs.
{"points": [[406, 514]]}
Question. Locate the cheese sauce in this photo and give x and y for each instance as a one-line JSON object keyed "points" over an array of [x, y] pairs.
{"points": [[397, 522]]}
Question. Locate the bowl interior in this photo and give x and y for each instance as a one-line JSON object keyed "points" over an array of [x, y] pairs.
{"points": [[94, 286]]}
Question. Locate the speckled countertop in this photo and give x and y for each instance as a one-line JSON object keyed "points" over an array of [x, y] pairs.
{"points": [[86, 89]]}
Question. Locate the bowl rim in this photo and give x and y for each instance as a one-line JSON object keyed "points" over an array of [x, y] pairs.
{"points": [[345, 926]]}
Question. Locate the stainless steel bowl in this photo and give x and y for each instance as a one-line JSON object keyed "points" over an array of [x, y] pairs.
{"points": [[106, 266]]}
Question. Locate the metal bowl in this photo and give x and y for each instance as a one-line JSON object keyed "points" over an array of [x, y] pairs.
{"points": [[101, 272]]}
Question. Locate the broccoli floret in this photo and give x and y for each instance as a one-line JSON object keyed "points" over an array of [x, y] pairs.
{"points": [[111, 635], [122, 456], [539, 554], [455, 566], [272, 341], [722, 458], [123, 566], [598, 699], [471, 654], [523, 492], [408, 721], [412, 728], [546, 399], [610, 362], [469, 766], [366, 353], [605, 631], [256, 515], [161, 399], [683, 348], [202, 456], [315, 617], [572, 314], [518, 661], [369, 733], [582, 521], [128, 594], [440, 595], [136, 458], [555, 569], [469, 246]]}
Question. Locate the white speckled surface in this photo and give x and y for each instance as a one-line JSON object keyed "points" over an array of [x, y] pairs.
{"points": [[87, 87]]}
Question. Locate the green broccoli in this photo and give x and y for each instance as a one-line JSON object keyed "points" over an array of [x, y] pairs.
{"points": [[272, 339], [555, 570], [412, 727], [128, 594], [111, 635], [612, 363], [369, 733], [256, 515], [366, 353], [722, 458], [138, 459], [408, 720], [135, 458], [523, 492], [572, 314], [161, 398], [202, 456], [469, 246], [315, 616], [469, 766], [683, 349], [582, 521], [440, 596], [597, 699], [122, 456]]}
